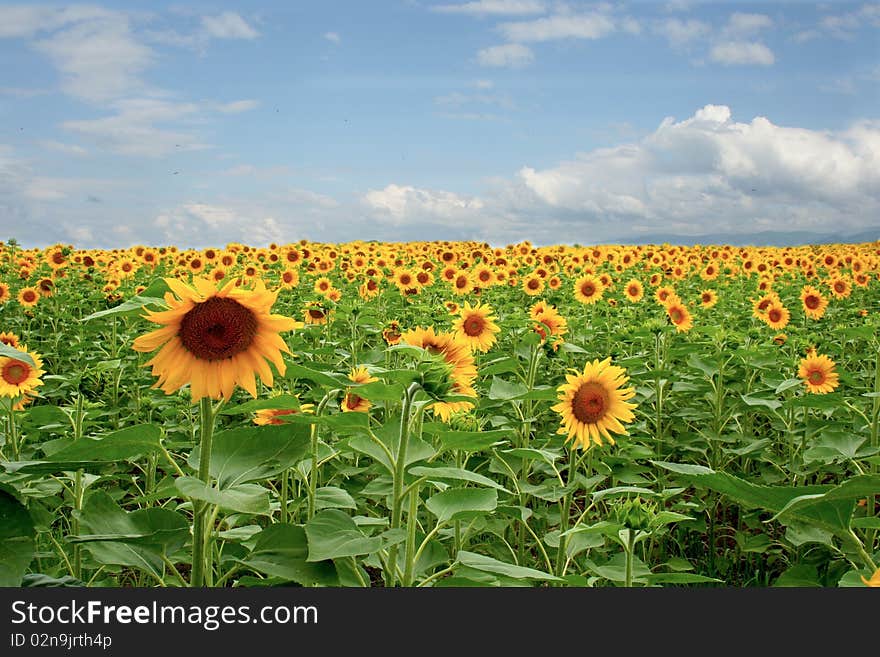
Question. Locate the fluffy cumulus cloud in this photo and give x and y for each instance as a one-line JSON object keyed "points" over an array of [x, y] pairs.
{"points": [[401, 203], [709, 172], [733, 53]]}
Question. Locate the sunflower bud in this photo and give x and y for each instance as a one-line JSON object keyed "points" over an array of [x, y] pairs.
{"points": [[436, 375], [634, 514]]}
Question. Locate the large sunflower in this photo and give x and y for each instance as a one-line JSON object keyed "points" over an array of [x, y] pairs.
{"points": [[588, 289], [777, 316], [17, 377], [593, 404], [215, 339], [475, 326], [817, 373], [678, 314]]}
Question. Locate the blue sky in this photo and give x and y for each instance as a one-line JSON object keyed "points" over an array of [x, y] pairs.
{"points": [[205, 123]]}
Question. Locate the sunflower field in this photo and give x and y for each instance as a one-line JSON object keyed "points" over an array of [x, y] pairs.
{"points": [[440, 414]]}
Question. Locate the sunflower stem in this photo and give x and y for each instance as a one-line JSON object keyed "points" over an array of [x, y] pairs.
{"points": [[875, 435], [532, 372], [313, 468], [78, 490], [630, 549], [399, 474], [12, 430], [201, 534], [412, 522], [565, 513]]}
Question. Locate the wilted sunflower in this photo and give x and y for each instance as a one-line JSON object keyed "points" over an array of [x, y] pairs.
{"points": [[17, 377], [817, 373], [593, 404], [476, 327], [215, 339], [813, 301], [352, 402]]}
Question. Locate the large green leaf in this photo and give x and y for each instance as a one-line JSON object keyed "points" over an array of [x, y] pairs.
{"points": [[149, 299], [90, 453], [248, 454], [490, 565], [456, 474], [281, 550], [459, 502], [333, 497], [16, 539], [12, 352], [469, 441], [137, 539], [333, 534], [244, 498]]}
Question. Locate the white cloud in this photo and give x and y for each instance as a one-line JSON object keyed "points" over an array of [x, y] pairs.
{"points": [[709, 171], [228, 25], [99, 58], [17, 21], [138, 128], [333, 37], [512, 55], [237, 106], [401, 203], [494, 7], [60, 147], [734, 53], [561, 26], [681, 33], [742, 25]]}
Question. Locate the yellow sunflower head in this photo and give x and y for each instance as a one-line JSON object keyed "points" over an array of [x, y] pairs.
{"points": [[476, 327], [593, 404], [817, 373], [18, 377], [352, 402], [215, 339]]}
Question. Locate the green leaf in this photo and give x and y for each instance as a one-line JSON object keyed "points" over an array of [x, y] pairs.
{"points": [[787, 384], [12, 352], [325, 379], [490, 565], [281, 550], [799, 575], [87, 453], [244, 498], [137, 539], [378, 391], [772, 404], [851, 490], [458, 502], [248, 454], [623, 490], [278, 401], [332, 497], [457, 474], [132, 306], [469, 441], [333, 534], [16, 539], [680, 578], [506, 390]]}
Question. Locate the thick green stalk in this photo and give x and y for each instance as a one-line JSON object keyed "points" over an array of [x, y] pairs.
{"points": [[78, 490], [875, 442], [12, 430], [531, 374], [201, 533], [399, 474], [564, 513], [412, 522], [630, 549], [313, 468]]}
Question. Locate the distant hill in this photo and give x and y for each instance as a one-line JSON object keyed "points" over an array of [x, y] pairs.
{"points": [[763, 238]]}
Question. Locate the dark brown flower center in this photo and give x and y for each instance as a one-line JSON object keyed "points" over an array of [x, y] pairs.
{"points": [[588, 289], [15, 372], [29, 295], [775, 314], [474, 325], [314, 313], [811, 302], [816, 377], [676, 315], [352, 401], [590, 403], [218, 328]]}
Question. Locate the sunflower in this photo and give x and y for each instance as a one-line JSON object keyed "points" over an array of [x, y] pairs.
{"points": [[28, 296], [10, 339], [533, 285], [549, 323], [315, 313], [840, 287], [266, 416], [588, 289], [874, 580], [4, 292], [391, 333], [17, 377], [462, 282], [352, 402], [476, 327], [678, 314], [661, 294], [457, 354], [323, 285], [215, 339], [708, 298], [593, 404], [777, 316], [817, 373], [813, 302], [634, 290]]}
